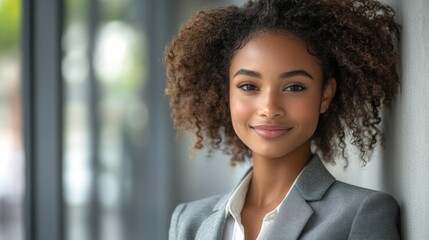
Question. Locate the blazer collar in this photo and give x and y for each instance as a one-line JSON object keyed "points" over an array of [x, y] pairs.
{"points": [[213, 226], [294, 213], [314, 180]]}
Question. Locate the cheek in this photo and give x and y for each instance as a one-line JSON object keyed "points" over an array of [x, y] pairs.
{"points": [[306, 111], [241, 110], [237, 107]]}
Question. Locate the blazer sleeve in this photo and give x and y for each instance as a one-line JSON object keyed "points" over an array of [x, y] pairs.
{"points": [[174, 224], [377, 218]]}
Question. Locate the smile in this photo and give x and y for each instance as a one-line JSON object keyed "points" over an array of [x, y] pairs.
{"points": [[270, 131]]}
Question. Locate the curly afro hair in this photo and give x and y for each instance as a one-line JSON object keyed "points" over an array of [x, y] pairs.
{"points": [[355, 40]]}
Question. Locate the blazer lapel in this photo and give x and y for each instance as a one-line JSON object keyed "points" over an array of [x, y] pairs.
{"points": [[314, 180], [293, 215], [212, 227], [295, 211]]}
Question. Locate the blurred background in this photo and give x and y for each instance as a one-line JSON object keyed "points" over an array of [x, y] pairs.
{"points": [[87, 148], [12, 176], [107, 163]]}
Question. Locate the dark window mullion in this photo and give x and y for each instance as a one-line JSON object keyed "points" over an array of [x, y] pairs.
{"points": [[28, 113], [42, 104]]}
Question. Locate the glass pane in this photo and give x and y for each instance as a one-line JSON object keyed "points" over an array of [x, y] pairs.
{"points": [[11, 160], [120, 70], [77, 149], [104, 70]]}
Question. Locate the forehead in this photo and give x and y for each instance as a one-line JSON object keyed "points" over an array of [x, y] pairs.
{"points": [[275, 51]]}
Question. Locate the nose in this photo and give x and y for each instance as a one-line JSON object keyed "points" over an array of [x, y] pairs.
{"points": [[271, 105]]}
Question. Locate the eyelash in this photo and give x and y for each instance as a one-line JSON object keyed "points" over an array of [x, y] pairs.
{"points": [[300, 88], [243, 87], [251, 87]]}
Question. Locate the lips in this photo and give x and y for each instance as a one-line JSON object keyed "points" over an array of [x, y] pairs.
{"points": [[271, 131]]}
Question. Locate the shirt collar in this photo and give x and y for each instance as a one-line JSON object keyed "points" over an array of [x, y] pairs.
{"points": [[236, 201]]}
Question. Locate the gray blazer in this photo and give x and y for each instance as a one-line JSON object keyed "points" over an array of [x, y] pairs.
{"points": [[317, 207]]}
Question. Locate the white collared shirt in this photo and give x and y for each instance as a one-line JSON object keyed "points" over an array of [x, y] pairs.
{"points": [[234, 229]]}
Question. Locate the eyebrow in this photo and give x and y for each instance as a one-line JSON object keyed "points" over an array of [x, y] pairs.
{"points": [[249, 73], [284, 75]]}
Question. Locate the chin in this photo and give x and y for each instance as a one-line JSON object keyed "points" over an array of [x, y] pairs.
{"points": [[271, 154]]}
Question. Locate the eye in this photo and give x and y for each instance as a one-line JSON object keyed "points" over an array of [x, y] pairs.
{"points": [[247, 87], [295, 88]]}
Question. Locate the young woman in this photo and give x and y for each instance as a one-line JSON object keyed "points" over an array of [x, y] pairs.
{"points": [[283, 82]]}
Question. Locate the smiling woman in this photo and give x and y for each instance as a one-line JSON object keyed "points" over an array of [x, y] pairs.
{"points": [[284, 81]]}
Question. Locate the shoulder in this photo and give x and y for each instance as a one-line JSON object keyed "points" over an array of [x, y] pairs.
{"points": [[354, 199], [197, 208], [370, 214], [187, 217], [376, 217], [356, 196], [350, 212]]}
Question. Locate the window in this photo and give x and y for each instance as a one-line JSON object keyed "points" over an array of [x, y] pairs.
{"points": [[100, 152]]}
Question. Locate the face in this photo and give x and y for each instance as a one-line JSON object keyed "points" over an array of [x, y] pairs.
{"points": [[276, 95]]}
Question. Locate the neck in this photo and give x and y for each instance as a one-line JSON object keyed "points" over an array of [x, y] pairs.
{"points": [[272, 178]]}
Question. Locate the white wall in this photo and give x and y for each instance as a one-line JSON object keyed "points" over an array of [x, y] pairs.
{"points": [[406, 155]]}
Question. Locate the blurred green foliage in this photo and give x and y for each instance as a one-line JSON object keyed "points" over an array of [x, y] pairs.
{"points": [[10, 11]]}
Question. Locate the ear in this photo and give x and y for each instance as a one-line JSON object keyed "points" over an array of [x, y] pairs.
{"points": [[328, 94]]}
